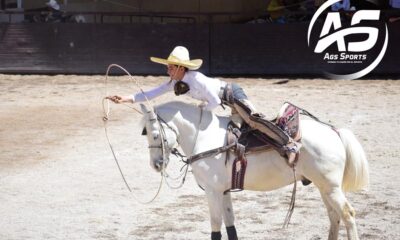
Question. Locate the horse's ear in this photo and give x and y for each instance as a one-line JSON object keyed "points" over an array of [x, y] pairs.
{"points": [[144, 109], [144, 132], [148, 112]]}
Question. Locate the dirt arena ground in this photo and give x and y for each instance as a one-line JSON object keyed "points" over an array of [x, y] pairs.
{"points": [[58, 179]]}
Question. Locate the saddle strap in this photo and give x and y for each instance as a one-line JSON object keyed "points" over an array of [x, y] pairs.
{"points": [[210, 153], [239, 168]]}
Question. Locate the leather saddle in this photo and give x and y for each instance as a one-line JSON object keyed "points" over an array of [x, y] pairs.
{"points": [[254, 140]]}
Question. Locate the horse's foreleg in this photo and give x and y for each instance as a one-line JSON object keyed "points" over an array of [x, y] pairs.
{"points": [[343, 208], [229, 217], [334, 219], [215, 200]]}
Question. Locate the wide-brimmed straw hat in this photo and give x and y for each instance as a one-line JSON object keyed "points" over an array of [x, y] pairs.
{"points": [[179, 56]]}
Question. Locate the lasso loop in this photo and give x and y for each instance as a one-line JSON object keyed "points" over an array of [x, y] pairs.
{"points": [[164, 174], [106, 111]]}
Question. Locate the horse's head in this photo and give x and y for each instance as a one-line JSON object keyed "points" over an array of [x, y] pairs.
{"points": [[161, 136]]}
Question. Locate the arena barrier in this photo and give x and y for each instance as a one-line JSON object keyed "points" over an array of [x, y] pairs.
{"points": [[227, 49]]}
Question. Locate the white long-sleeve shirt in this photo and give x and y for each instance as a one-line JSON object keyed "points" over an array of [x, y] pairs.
{"points": [[201, 87]]}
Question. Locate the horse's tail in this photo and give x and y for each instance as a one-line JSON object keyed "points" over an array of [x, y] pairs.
{"points": [[356, 172]]}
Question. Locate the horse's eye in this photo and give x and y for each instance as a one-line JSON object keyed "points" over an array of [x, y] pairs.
{"points": [[155, 136]]}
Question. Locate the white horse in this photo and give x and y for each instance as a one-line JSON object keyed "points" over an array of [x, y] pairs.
{"points": [[333, 161]]}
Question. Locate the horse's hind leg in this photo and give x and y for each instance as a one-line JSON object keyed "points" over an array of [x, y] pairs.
{"points": [[229, 217], [343, 208], [334, 219]]}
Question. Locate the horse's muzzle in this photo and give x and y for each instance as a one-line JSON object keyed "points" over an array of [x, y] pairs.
{"points": [[159, 164]]}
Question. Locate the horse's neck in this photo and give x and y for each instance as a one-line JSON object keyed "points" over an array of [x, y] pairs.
{"points": [[197, 135]]}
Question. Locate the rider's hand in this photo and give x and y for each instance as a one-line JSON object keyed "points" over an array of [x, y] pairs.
{"points": [[120, 99]]}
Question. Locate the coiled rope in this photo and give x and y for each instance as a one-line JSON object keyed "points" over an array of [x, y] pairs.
{"points": [[106, 112]]}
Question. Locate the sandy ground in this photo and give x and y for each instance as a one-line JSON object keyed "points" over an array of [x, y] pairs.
{"points": [[58, 179]]}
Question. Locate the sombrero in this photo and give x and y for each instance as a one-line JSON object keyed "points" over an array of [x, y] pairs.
{"points": [[179, 56]]}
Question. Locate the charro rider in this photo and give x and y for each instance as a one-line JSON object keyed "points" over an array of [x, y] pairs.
{"points": [[212, 92]]}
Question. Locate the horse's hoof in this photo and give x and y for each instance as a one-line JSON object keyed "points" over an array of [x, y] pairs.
{"points": [[216, 236]]}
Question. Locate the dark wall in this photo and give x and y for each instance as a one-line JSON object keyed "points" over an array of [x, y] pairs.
{"points": [[227, 49], [90, 48], [274, 49], [260, 49]]}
